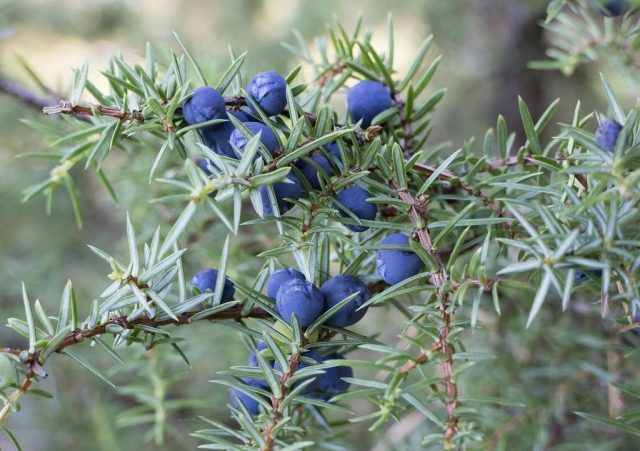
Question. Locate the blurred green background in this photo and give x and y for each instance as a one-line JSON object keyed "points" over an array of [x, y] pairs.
{"points": [[486, 46]]}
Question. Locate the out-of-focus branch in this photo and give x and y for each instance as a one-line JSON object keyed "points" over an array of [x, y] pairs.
{"points": [[22, 93]]}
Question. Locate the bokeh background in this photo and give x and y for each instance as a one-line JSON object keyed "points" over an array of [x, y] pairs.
{"points": [[486, 46]]}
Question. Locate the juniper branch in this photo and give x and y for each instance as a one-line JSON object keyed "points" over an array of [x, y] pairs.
{"points": [[22, 93], [418, 216], [276, 416]]}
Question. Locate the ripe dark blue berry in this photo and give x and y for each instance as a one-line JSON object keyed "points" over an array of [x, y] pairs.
{"points": [[217, 137], [279, 278], [269, 90], [301, 298], [580, 277], [252, 361], [267, 137], [330, 383], [636, 319], [338, 288], [395, 265], [607, 135], [205, 279], [333, 149], [310, 170], [204, 163], [612, 8], [238, 397], [282, 190], [354, 199], [204, 105], [367, 99]]}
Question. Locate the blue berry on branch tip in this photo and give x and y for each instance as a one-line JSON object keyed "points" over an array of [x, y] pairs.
{"points": [[311, 172], [217, 137], [331, 383]]}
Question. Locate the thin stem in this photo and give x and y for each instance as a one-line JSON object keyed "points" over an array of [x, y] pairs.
{"points": [[80, 335], [276, 415], [418, 215], [66, 107], [14, 397]]}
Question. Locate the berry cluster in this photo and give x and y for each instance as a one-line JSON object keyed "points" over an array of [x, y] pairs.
{"points": [[268, 90], [291, 292]]}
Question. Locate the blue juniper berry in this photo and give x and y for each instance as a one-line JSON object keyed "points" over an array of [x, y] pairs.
{"points": [[395, 265], [367, 99]]}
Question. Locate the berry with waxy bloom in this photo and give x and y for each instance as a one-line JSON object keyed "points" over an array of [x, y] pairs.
{"points": [[331, 383], [395, 265], [301, 298], [206, 280], [607, 135], [338, 288], [267, 137], [269, 90], [282, 190], [205, 104], [367, 99], [354, 199], [279, 278], [251, 404]]}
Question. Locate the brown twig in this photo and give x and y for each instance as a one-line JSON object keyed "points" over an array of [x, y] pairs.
{"points": [[334, 70], [488, 285], [276, 416], [82, 334], [66, 107], [418, 216], [419, 359], [79, 335], [448, 175]]}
